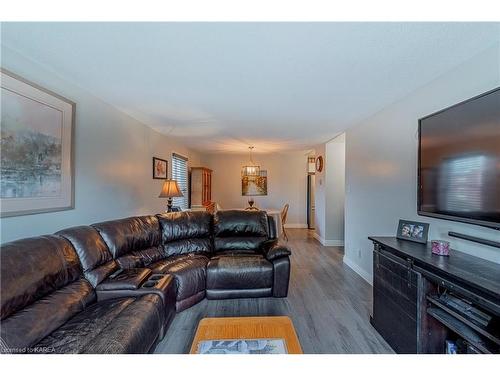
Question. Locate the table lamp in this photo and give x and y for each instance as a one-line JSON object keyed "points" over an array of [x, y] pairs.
{"points": [[170, 189]]}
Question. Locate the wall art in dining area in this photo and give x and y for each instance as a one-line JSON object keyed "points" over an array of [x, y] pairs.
{"points": [[254, 185]]}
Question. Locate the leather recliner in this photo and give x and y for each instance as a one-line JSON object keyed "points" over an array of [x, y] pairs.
{"points": [[247, 260], [47, 305]]}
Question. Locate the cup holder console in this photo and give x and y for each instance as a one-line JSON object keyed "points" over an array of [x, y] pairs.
{"points": [[149, 284], [156, 277], [153, 280]]}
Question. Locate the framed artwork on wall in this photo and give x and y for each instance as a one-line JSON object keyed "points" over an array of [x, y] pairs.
{"points": [[254, 186], [36, 169], [160, 168]]}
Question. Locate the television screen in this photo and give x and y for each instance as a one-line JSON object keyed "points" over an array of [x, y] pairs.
{"points": [[459, 162]]}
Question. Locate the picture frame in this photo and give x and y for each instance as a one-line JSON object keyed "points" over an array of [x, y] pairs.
{"points": [[160, 168], [254, 186], [37, 159], [412, 231]]}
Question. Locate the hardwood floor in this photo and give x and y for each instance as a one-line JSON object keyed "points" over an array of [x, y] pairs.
{"points": [[328, 303]]}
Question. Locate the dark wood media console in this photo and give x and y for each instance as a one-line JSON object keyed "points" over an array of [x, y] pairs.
{"points": [[422, 300]]}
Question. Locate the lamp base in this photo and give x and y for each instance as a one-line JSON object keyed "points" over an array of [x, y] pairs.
{"points": [[251, 203], [169, 205]]}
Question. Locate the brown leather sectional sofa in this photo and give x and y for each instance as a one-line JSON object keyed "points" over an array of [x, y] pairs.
{"points": [[114, 287]]}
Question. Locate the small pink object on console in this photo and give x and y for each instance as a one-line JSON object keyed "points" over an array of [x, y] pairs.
{"points": [[440, 247]]}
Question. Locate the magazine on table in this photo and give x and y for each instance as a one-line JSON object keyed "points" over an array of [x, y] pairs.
{"points": [[242, 346]]}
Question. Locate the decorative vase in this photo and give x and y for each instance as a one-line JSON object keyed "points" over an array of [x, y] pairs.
{"points": [[440, 247]]}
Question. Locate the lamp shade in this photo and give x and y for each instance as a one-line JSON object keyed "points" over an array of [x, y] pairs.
{"points": [[251, 170], [170, 189]]}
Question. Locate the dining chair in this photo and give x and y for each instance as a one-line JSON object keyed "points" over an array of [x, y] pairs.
{"points": [[284, 214]]}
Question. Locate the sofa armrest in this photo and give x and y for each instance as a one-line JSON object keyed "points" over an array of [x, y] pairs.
{"points": [[163, 285], [276, 250], [125, 279]]}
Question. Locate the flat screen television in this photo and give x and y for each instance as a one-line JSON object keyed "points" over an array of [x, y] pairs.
{"points": [[459, 162]]}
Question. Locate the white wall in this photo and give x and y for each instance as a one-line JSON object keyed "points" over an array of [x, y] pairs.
{"points": [[320, 197], [113, 152], [381, 165], [330, 192], [286, 182], [335, 191]]}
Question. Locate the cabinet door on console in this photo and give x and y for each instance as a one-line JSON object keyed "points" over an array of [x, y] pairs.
{"points": [[395, 301]]}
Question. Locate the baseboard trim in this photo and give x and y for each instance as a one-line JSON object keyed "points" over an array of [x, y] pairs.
{"points": [[361, 272], [320, 239], [324, 242], [296, 226], [333, 243]]}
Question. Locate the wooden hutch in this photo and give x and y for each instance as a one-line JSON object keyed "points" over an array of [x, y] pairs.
{"points": [[201, 187]]}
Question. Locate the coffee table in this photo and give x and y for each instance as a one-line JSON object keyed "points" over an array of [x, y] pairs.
{"points": [[258, 327]]}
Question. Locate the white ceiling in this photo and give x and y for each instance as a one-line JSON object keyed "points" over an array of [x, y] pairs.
{"points": [[223, 86]]}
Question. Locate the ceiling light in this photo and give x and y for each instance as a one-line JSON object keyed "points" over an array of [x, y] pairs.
{"points": [[251, 170]]}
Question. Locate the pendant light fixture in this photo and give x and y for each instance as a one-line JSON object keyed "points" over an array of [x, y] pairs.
{"points": [[251, 170]]}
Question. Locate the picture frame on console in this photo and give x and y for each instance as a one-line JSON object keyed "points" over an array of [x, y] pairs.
{"points": [[412, 231]]}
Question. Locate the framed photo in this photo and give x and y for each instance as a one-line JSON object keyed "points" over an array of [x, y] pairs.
{"points": [[413, 231], [254, 186], [160, 169], [36, 129]]}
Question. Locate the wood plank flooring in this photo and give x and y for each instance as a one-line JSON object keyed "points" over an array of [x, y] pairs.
{"points": [[328, 303]]}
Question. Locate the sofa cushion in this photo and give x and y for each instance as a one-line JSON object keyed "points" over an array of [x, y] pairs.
{"points": [[240, 230], [186, 232], [33, 322], [95, 258], [130, 234], [134, 242], [235, 252], [34, 267], [123, 325], [135, 330], [141, 258], [239, 272], [189, 271]]}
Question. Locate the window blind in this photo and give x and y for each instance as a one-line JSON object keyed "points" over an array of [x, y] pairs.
{"points": [[180, 174]]}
